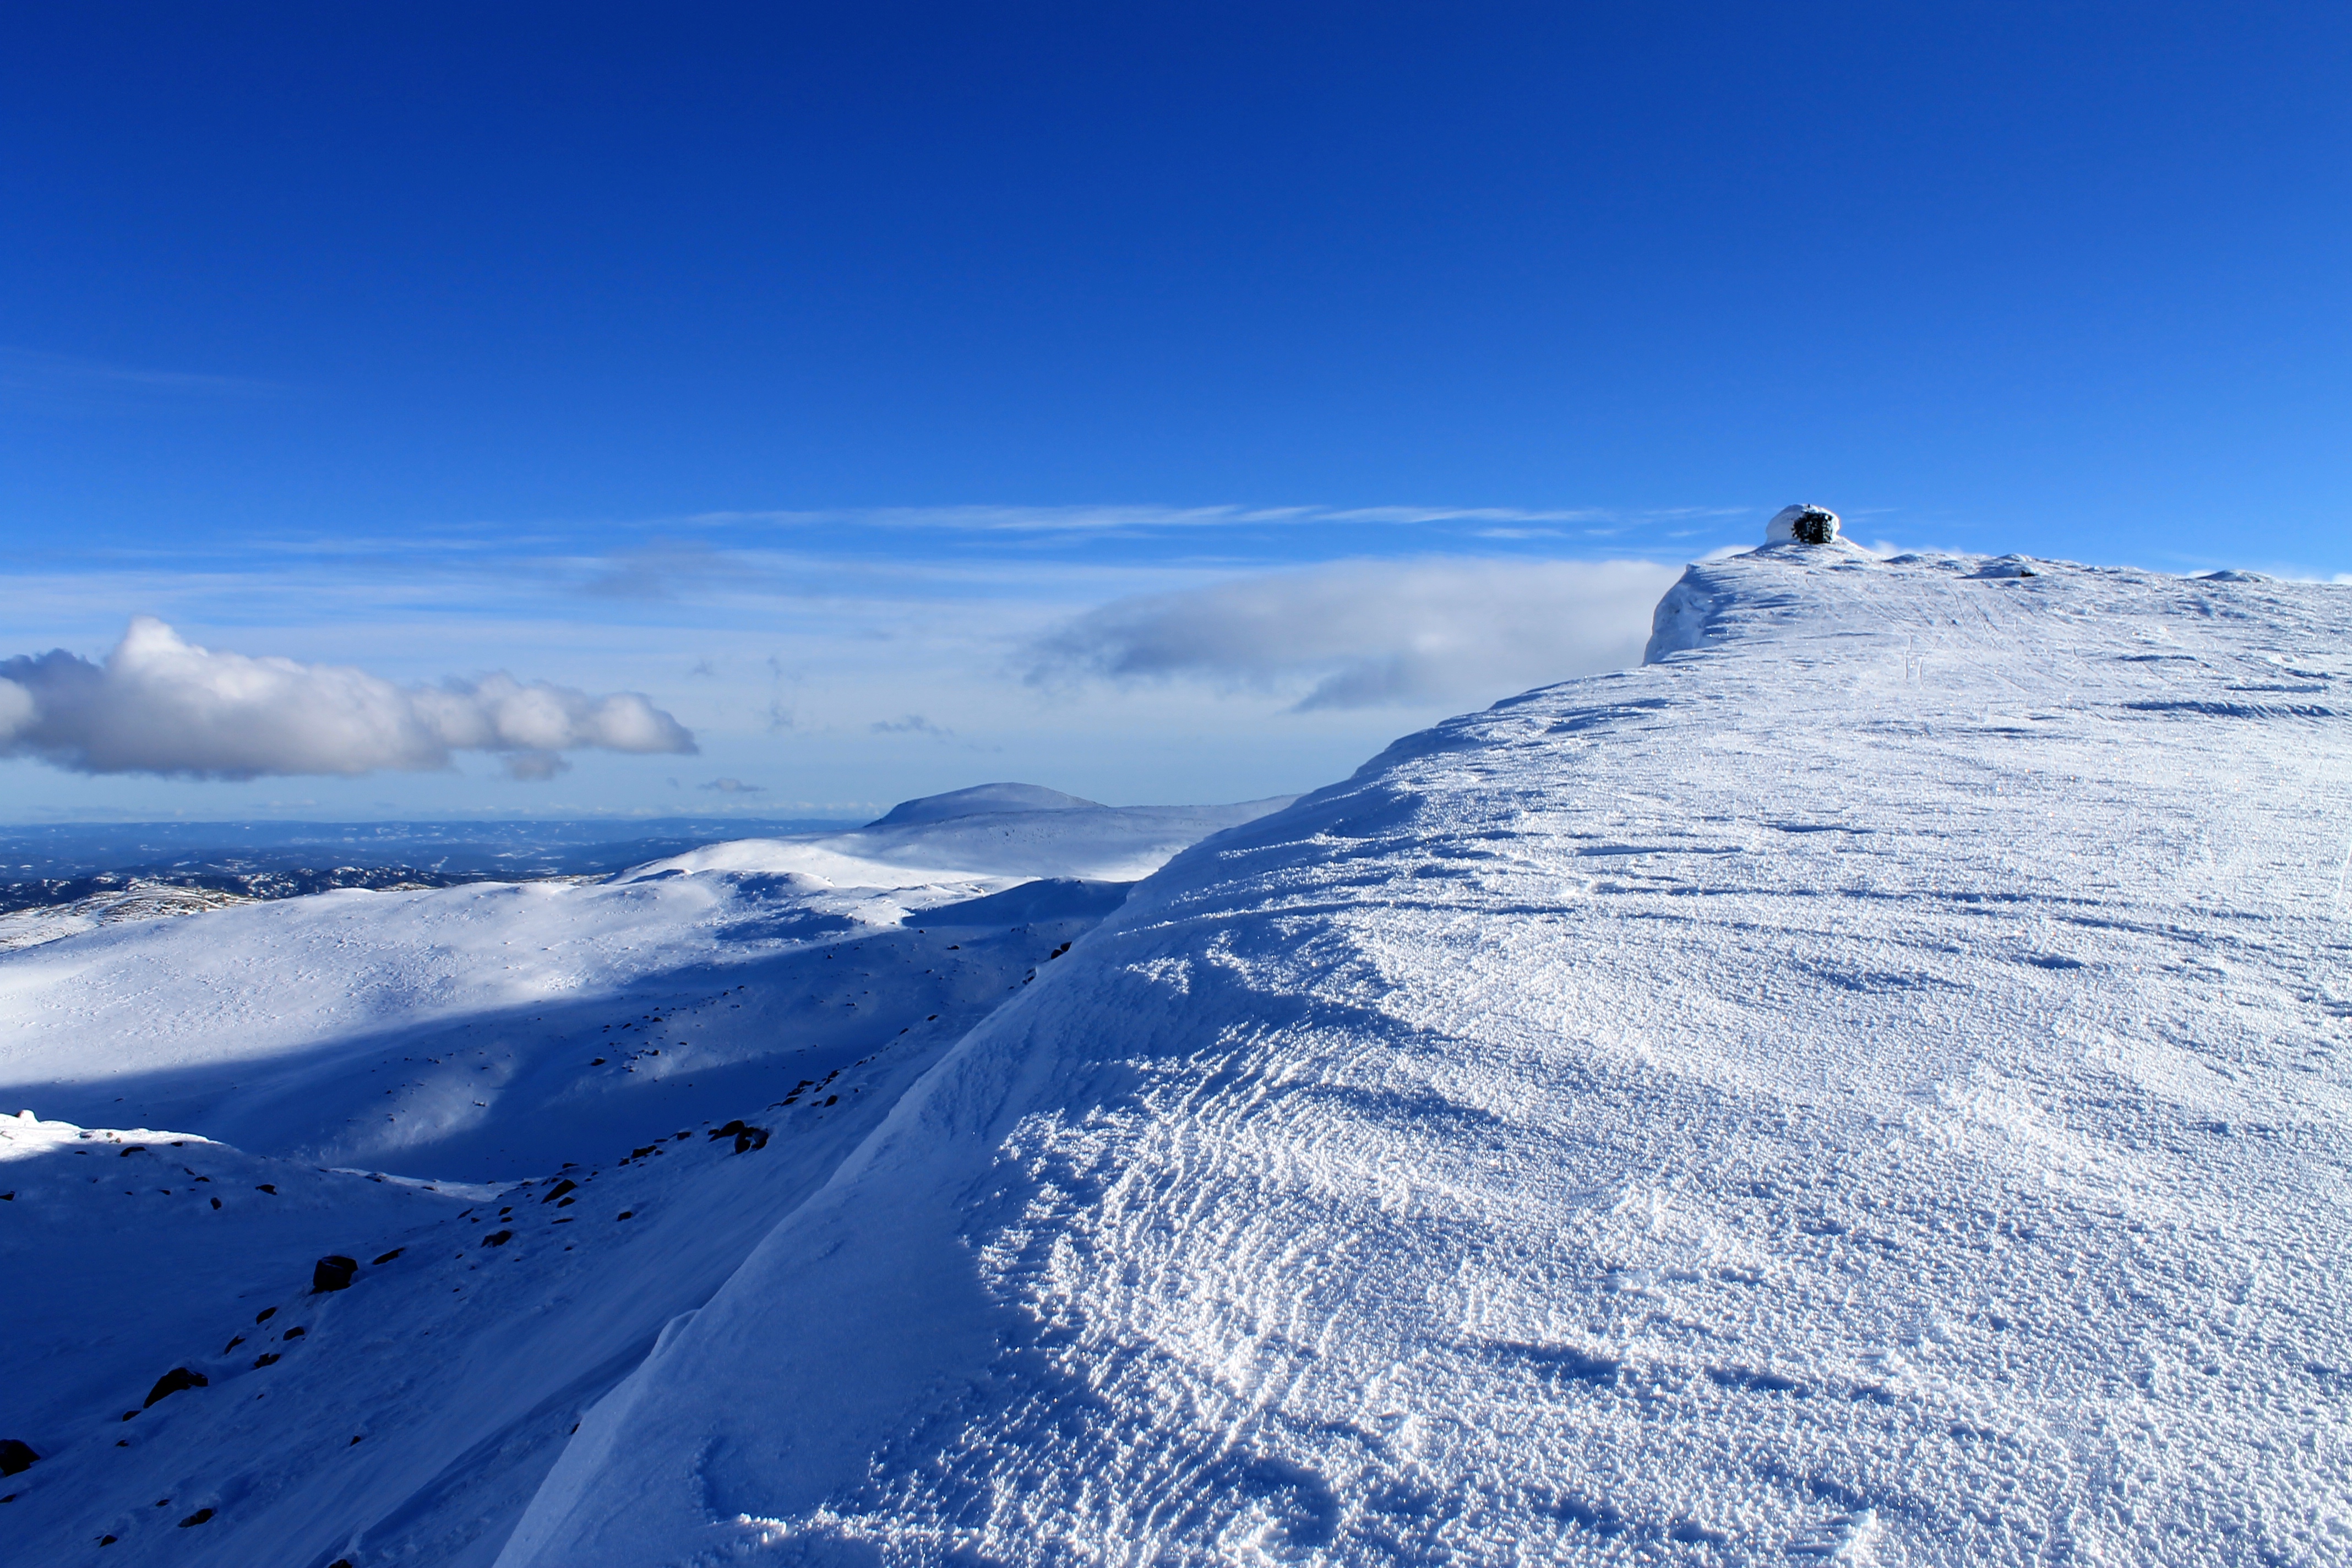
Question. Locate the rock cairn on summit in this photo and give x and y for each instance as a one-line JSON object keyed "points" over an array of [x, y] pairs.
{"points": [[1803, 524]]}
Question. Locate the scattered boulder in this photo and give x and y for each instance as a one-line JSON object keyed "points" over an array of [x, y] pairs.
{"points": [[561, 1187], [267, 1358], [333, 1272], [746, 1138], [264, 1315], [172, 1382], [390, 1255], [497, 1239], [198, 1517], [16, 1455]]}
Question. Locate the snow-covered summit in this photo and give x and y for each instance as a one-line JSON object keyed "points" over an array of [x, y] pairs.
{"points": [[1870, 1083], [980, 800]]}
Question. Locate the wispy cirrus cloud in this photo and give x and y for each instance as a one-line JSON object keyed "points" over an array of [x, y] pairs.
{"points": [[67, 384], [1096, 520]]}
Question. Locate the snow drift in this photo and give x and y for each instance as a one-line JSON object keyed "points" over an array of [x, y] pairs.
{"points": [[1873, 1085], [1869, 1083]]}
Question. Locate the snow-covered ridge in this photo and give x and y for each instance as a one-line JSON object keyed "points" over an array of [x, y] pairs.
{"points": [[1874, 1086], [617, 1034], [453, 1032], [1868, 1084]]}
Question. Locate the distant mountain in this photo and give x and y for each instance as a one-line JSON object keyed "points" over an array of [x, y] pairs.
{"points": [[978, 801]]}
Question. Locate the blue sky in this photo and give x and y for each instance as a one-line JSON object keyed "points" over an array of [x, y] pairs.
{"points": [[815, 370]]}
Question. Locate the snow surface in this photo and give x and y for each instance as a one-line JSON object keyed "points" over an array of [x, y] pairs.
{"points": [[980, 800], [414, 1414], [454, 1031], [1868, 1086]]}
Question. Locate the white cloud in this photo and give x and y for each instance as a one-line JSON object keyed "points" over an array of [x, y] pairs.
{"points": [[1369, 634], [1123, 519], [161, 705]]}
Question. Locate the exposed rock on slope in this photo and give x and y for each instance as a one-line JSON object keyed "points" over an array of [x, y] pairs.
{"points": [[1874, 1082]]}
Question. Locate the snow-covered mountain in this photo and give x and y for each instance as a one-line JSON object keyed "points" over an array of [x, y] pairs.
{"points": [[1870, 1084]]}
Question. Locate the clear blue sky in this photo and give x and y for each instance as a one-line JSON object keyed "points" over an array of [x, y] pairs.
{"points": [[389, 306]]}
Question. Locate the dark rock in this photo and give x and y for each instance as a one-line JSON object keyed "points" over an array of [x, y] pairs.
{"points": [[131, 1149], [332, 1272], [269, 1187], [232, 1344], [172, 1382], [198, 1517], [390, 1255], [295, 1332], [561, 1187], [264, 1315], [267, 1359], [15, 1455], [624, 1214], [497, 1239], [747, 1137]]}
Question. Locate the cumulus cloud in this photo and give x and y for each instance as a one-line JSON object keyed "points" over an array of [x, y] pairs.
{"points": [[1369, 634], [161, 705]]}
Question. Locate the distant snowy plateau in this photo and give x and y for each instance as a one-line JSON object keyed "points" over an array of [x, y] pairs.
{"points": [[1870, 1084]]}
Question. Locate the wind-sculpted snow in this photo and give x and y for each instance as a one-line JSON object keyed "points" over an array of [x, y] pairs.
{"points": [[490, 1030], [633, 1080], [1870, 1084]]}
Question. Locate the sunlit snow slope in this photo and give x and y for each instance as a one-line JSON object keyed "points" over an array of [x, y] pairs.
{"points": [[1870, 1083], [642, 1074], [495, 1029]]}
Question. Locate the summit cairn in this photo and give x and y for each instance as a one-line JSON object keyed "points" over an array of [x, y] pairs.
{"points": [[1806, 524]]}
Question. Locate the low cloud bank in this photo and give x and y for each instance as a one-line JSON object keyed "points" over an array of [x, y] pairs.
{"points": [[1370, 634], [160, 705]]}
